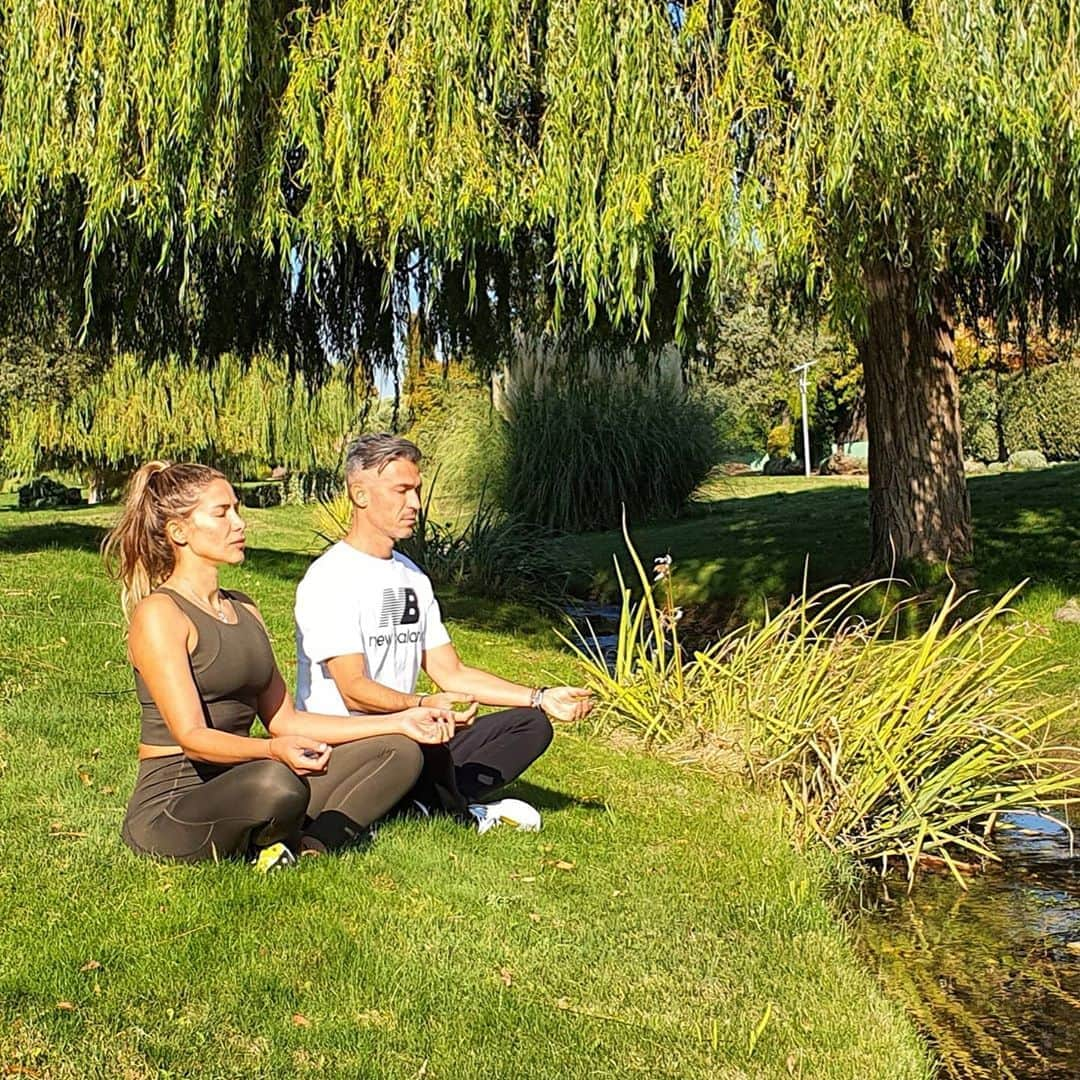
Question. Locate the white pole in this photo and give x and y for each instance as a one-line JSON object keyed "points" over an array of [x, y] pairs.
{"points": [[803, 369]]}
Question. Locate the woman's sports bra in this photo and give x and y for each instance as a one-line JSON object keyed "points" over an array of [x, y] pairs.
{"points": [[232, 664]]}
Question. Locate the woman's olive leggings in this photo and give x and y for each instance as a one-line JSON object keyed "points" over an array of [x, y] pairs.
{"points": [[190, 810]]}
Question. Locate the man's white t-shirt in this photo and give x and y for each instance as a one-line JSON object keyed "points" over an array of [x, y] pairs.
{"points": [[350, 602]]}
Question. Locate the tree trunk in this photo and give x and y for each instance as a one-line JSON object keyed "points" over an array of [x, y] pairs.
{"points": [[96, 487], [919, 507]]}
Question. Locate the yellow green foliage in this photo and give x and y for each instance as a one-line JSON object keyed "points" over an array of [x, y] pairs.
{"points": [[243, 416], [779, 442], [635, 135]]}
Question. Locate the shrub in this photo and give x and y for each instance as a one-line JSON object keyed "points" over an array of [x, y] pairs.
{"points": [[263, 494], [578, 455], [780, 441], [1056, 389], [45, 493], [1019, 414], [978, 416], [1027, 459], [1039, 410], [882, 745]]}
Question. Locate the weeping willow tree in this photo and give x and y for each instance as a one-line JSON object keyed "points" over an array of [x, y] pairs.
{"points": [[243, 417], [227, 175]]}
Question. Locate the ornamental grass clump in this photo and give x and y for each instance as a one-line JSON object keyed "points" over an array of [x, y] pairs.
{"points": [[885, 746]]}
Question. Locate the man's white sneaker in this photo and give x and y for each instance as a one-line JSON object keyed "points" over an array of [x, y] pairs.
{"points": [[519, 815]]}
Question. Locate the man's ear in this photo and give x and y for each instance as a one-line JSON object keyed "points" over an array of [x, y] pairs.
{"points": [[358, 494]]}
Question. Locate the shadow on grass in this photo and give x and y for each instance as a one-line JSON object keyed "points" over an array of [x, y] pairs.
{"points": [[498, 616], [288, 566], [1027, 525], [19, 539], [546, 799]]}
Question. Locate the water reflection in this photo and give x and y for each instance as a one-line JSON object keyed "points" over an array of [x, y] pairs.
{"points": [[993, 974], [597, 628]]}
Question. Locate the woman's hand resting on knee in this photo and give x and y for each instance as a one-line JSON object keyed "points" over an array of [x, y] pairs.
{"points": [[302, 754], [427, 725]]}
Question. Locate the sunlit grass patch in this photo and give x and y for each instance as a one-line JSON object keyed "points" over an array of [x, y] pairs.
{"points": [[647, 930]]}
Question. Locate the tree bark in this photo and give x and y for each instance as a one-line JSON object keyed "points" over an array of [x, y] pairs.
{"points": [[919, 506], [95, 487]]}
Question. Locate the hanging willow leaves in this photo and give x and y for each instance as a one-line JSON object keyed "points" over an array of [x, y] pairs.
{"points": [[244, 417], [829, 133]]}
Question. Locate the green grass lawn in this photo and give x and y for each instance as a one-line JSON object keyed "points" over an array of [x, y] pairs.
{"points": [[659, 926]]}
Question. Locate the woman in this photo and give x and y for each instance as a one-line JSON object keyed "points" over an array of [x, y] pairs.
{"points": [[204, 670]]}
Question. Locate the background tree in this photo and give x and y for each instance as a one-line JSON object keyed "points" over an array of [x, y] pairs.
{"points": [[103, 420], [747, 350], [235, 175]]}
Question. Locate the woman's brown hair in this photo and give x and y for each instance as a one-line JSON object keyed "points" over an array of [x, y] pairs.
{"points": [[137, 550]]}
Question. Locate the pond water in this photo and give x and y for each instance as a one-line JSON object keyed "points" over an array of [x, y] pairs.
{"points": [[992, 975], [597, 625]]}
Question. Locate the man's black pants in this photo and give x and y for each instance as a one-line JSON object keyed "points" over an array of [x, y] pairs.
{"points": [[479, 760]]}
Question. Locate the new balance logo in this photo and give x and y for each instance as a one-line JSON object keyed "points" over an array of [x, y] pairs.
{"points": [[399, 608]]}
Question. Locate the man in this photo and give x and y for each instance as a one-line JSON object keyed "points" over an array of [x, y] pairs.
{"points": [[367, 623]]}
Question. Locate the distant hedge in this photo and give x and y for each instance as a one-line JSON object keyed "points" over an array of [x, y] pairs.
{"points": [[1031, 410]]}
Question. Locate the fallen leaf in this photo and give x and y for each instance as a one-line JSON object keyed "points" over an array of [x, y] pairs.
{"points": [[506, 976], [300, 1020], [1073, 946], [790, 1063], [108, 790], [562, 1003], [84, 776], [96, 752], [534, 915], [90, 965], [527, 880], [66, 1006], [562, 864]]}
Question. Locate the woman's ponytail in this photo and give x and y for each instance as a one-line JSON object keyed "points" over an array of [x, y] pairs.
{"points": [[137, 550]]}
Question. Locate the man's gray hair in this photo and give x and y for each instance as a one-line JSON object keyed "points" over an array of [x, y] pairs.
{"points": [[376, 451]]}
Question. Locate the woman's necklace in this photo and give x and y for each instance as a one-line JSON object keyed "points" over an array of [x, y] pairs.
{"points": [[218, 612]]}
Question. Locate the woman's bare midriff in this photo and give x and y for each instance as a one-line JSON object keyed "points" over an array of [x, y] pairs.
{"points": [[148, 751]]}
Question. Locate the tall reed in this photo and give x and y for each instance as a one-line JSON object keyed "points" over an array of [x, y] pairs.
{"points": [[883, 745]]}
